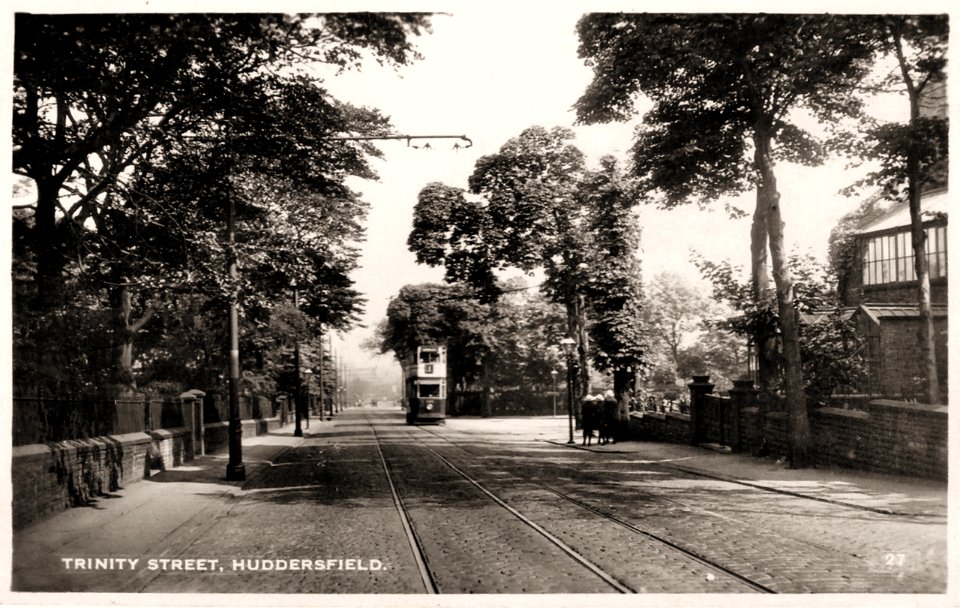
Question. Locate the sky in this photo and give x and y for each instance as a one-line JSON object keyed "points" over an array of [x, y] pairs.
{"points": [[489, 71], [488, 75]]}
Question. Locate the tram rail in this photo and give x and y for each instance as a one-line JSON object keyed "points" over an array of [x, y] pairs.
{"points": [[419, 552], [693, 555]]}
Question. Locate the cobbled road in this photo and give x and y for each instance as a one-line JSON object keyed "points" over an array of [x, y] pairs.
{"points": [[486, 512]]}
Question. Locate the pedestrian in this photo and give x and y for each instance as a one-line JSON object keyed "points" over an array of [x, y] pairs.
{"points": [[589, 415], [608, 418]]}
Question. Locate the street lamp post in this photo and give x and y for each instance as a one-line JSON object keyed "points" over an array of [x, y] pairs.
{"points": [[568, 344], [298, 386], [306, 396], [235, 469], [554, 373]]}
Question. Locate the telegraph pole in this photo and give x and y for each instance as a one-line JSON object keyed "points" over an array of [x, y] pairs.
{"points": [[235, 469]]}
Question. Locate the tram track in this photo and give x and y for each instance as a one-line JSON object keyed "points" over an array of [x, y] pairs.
{"points": [[420, 554], [416, 547], [693, 552], [571, 552], [739, 482], [693, 555]]}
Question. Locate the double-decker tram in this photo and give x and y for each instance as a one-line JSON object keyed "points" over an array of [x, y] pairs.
{"points": [[425, 385]]}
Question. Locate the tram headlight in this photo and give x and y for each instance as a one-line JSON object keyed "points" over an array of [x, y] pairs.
{"points": [[429, 406]]}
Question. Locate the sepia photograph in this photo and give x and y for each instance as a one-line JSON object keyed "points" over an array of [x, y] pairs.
{"points": [[509, 303]]}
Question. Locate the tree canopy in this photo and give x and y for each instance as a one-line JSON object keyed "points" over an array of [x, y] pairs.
{"points": [[726, 90], [139, 129], [534, 205]]}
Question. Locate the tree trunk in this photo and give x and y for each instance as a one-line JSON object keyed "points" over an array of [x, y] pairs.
{"points": [[797, 424], [577, 329], [49, 273], [125, 330], [925, 330], [487, 408], [765, 343], [624, 382]]}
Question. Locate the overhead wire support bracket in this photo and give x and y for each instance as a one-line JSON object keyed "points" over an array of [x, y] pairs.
{"points": [[408, 139]]}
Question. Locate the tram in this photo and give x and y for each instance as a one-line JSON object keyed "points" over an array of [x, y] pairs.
{"points": [[425, 385]]}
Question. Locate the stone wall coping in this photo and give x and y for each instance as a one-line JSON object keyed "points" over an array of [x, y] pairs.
{"points": [[660, 415], [914, 407], [162, 434], [718, 397], [243, 421], [72, 445], [838, 411]]}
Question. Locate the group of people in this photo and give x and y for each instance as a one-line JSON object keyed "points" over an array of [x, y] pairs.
{"points": [[599, 413]]}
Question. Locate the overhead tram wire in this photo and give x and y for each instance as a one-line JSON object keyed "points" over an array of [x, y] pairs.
{"points": [[308, 139]]}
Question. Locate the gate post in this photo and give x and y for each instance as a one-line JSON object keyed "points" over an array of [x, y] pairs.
{"points": [[194, 398], [699, 389], [741, 395]]}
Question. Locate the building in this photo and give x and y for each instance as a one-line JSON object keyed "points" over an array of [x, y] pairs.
{"points": [[880, 294]]}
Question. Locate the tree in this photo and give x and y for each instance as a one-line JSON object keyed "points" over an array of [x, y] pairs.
{"points": [[675, 312], [438, 314], [615, 286], [493, 345], [912, 155], [725, 89], [108, 106], [832, 353], [94, 93], [529, 217], [717, 352]]}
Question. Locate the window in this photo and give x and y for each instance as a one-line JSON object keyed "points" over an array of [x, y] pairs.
{"points": [[889, 258], [429, 356], [429, 390]]}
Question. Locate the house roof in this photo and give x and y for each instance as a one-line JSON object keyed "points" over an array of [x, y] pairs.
{"points": [[932, 203], [905, 311], [875, 312], [816, 316]]}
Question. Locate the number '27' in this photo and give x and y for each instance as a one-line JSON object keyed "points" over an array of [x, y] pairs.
{"points": [[894, 559]]}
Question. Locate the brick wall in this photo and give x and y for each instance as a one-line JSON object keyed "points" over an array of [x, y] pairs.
{"points": [[899, 355], [898, 293], [51, 477], [172, 447], [655, 426], [217, 435], [891, 437], [48, 478], [887, 436]]}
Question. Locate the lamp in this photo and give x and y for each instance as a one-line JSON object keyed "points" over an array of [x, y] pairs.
{"points": [[306, 389], [568, 345], [554, 373]]}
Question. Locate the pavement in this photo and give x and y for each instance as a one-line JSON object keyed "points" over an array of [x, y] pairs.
{"points": [[178, 506], [883, 493]]}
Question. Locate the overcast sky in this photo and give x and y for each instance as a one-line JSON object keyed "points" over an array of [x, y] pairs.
{"points": [[490, 70], [489, 74]]}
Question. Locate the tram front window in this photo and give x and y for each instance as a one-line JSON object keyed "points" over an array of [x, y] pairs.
{"points": [[429, 356], [430, 390]]}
